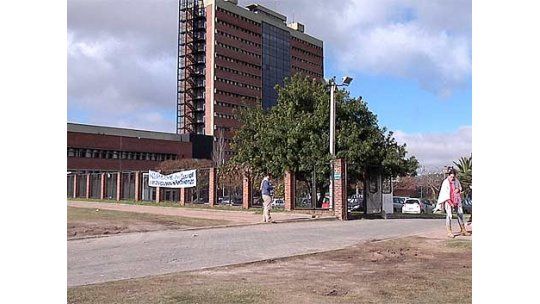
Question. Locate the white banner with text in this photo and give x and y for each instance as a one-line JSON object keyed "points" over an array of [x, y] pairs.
{"points": [[184, 179]]}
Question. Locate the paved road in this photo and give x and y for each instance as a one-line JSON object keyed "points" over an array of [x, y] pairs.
{"points": [[151, 253]]}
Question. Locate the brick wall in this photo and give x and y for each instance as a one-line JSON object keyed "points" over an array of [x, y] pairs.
{"points": [[340, 189], [212, 187], [121, 143], [246, 192], [289, 182]]}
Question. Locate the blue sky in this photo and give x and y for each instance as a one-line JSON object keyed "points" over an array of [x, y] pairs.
{"points": [[401, 104], [410, 60]]}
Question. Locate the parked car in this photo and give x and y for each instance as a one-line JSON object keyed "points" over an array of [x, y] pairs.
{"points": [[416, 206], [354, 199], [354, 203], [467, 205], [234, 200], [326, 202], [428, 205], [199, 201], [278, 202], [398, 203], [303, 202]]}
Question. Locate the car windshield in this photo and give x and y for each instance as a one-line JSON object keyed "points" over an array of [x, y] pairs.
{"points": [[411, 201]]}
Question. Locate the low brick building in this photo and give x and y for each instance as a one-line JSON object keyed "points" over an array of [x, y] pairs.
{"points": [[93, 149], [112, 163]]}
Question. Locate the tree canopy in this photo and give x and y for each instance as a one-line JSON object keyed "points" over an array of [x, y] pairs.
{"points": [[464, 166], [294, 134]]}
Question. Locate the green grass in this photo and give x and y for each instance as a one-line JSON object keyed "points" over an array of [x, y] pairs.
{"points": [[256, 209], [162, 204], [459, 244], [239, 294]]}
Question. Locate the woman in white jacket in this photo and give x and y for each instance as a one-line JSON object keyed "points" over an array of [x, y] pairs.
{"points": [[450, 197]]}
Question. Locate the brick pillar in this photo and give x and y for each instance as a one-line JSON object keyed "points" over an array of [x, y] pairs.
{"points": [[102, 187], [183, 196], [158, 195], [289, 182], [137, 186], [118, 186], [247, 191], [88, 185], [212, 187], [340, 189], [75, 188]]}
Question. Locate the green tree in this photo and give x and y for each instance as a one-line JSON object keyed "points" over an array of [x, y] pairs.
{"points": [[464, 166], [294, 135]]}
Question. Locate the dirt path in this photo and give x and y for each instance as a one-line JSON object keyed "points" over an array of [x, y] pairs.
{"points": [[405, 270], [234, 217]]}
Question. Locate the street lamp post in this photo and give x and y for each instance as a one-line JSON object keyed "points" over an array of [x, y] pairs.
{"points": [[333, 86]]}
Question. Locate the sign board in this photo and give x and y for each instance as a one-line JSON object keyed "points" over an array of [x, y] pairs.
{"points": [[337, 176], [184, 179]]}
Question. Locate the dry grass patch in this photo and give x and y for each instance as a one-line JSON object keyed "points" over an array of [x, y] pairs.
{"points": [[84, 222]]}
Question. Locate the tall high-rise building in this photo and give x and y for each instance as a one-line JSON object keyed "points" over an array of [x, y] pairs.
{"points": [[231, 57]]}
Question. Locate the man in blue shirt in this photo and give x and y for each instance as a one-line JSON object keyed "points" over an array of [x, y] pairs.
{"points": [[267, 190]]}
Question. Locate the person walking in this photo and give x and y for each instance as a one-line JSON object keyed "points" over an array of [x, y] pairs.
{"points": [[449, 197], [439, 206], [267, 191]]}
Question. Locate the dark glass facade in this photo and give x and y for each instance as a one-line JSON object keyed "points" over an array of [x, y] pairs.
{"points": [[276, 59]]}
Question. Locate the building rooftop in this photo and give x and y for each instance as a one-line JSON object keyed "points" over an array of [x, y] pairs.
{"points": [[114, 131], [259, 13], [257, 9]]}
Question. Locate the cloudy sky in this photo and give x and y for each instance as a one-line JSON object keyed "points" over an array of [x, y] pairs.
{"points": [[411, 61]]}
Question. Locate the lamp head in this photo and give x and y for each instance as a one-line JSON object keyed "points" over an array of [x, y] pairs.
{"points": [[347, 80]]}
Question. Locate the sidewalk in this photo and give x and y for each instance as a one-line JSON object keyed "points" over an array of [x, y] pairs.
{"points": [[136, 255], [236, 217]]}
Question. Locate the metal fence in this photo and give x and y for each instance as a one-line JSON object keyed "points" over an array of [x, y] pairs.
{"points": [[256, 195], [170, 195], [147, 193], [110, 185], [95, 185], [70, 181], [229, 192], [81, 185], [77, 186], [199, 194], [312, 189], [128, 185]]}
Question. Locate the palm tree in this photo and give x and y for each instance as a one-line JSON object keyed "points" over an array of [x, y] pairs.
{"points": [[464, 166]]}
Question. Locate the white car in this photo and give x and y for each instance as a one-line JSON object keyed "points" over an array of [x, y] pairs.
{"points": [[412, 205], [278, 202]]}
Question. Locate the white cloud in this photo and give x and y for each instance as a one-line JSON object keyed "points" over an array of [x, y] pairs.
{"points": [[426, 41], [122, 62], [435, 150], [122, 54]]}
